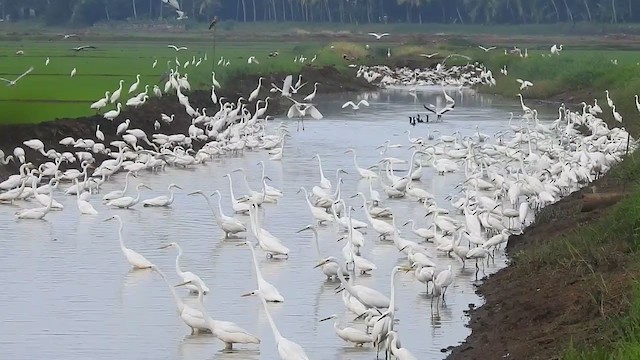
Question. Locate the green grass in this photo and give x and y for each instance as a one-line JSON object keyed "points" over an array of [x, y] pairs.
{"points": [[627, 346], [49, 92], [584, 73]]}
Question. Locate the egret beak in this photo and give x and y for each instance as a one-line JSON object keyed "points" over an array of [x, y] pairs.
{"points": [[268, 178], [342, 171], [306, 228], [164, 247], [177, 187], [194, 193], [246, 295], [383, 316], [404, 247], [145, 186], [352, 196], [320, 264], [360, 316], [238, 169], [182, 284], [108, 219], [327, 318], [213, 193], [405, 224], [242, 244]]}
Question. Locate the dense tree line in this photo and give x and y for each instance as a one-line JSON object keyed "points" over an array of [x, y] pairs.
{"points": [[337, 11]]}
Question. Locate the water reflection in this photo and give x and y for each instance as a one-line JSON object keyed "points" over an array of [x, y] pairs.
{"points": [[68, 289]]}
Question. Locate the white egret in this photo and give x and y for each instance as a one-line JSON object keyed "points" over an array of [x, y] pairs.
{"points": [[136, 260], [127, 201], [266, 289], [354, 106], [269, 243], [349, 334], [227, 332], [329, 269], [36, 213], [162, 200], [287, 349], [118, 193], [187, 276], [366, 295], [399, 353], [83, 205], [364, 173]]}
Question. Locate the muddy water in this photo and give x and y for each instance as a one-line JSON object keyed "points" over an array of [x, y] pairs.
{"points": [[68, 293]]}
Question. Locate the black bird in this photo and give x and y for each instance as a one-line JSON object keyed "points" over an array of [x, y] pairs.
{"points": [[274, 54], [80, 48], [412, 121], [213, 22]]}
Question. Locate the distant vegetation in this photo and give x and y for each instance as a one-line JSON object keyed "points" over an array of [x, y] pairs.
{"points": [[87, 12]]}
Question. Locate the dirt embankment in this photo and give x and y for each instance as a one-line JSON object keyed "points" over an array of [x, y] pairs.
{"points": [[535, 310], [331, 79]]}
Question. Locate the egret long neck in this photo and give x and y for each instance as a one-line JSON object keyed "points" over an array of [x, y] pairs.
{"points": [[255, 264], [176, 298], [274, 328], [178, 270], [120, 227]]}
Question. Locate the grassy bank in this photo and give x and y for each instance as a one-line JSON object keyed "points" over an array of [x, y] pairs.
{"points": [[572, 77]]}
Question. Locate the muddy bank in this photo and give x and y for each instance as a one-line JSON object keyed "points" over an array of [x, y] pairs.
{"points": [[536, 310], [331, 79]]}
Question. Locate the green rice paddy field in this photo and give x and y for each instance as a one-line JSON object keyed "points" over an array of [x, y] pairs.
{"points": [[49, 92]]}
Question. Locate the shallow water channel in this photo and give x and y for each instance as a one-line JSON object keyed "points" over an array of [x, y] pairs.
{"points": [[68, 293]]}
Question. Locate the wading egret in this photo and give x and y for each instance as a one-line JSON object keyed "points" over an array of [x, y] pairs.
{"points": [[228, 334], [266, 289], [162, 200], [136, 260], [127, 201], [195, 282], [349, 334], [287, 349]]}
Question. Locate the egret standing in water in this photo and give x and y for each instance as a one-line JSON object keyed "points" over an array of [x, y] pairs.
{"points": [[287, 349], [136, 260], [193, 280]]}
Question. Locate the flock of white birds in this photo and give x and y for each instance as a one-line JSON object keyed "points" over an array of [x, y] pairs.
{"points": [[509, 175]]}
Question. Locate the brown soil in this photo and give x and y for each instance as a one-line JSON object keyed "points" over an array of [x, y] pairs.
{"points": [[11, 136], [535, 311]]}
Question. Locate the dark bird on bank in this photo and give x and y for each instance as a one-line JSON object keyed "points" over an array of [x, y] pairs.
{"points": [[274, 53], [85, 47], [348, 58], [213, 22]]}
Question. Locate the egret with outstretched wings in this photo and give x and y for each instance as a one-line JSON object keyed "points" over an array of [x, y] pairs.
{"points": [[13, 82]]}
